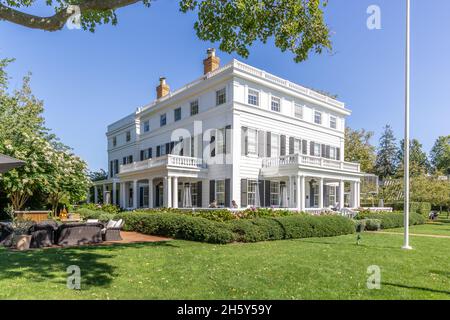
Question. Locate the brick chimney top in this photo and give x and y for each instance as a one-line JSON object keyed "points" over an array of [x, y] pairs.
{"points": [[163, 89], [212, 62]]}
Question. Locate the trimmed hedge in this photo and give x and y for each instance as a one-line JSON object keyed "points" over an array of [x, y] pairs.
{"points": [[178, 226], [422, 208], [291, 227], [391, 220], [181, 226], [86, 213]]}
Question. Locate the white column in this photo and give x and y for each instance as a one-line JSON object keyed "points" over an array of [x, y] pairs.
{"points": [[135, 194], [341, 194], [123, 195], [358, 194], [321, 193], [353, 194], [95, 195], [104, 193], [175, 193], [236, 160], [291, 192], [167, 192], [299, 193], [302, 193], [150, 194], [114, 193]]}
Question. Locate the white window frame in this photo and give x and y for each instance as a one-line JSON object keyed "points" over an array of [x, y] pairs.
{"points": [[253, 97], [251, 192], [298, 106], [275, 101], [275, 145], [274, 193], [319, 114], [220, 195], [175, 111], [333, 119], [147, 126], [161, 117], [252, 142], [221, 96], [194, 107]]}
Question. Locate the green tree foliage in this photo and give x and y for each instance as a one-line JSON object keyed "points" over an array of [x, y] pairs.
{"points": [[98, 175], [440, 154], [386, 161], [359, 149], [50, 168], [418, 159], [295, 25]]}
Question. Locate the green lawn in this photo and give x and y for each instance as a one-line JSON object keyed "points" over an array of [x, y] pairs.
{"points": [[326, 268], [439, 228]]}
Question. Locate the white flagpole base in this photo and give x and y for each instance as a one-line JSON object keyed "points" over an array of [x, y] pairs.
{"points": [[407, 248]]}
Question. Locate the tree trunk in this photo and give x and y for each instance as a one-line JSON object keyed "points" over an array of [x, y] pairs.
{"points": [[18, 200]]}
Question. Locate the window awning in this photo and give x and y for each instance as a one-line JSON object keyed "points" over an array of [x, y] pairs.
{"points": [[8, 163]]}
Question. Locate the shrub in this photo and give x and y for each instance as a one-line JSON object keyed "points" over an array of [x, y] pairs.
{"points": [[264, 213], [372, 224], [391, 220], [360, 225], [422, 208], [178, 226], [291, 227], [103, 216]]}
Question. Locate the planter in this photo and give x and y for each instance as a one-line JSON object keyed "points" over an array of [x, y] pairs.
{"points": [[22, 242]]}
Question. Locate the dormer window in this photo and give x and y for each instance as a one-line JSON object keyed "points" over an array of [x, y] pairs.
{"points": [[114, 141], [221, 97], [163, 120], [275, 104], [128, 136], [298, 111]]}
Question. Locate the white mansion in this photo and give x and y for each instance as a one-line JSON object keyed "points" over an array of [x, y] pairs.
{"points": [[236, 136]]}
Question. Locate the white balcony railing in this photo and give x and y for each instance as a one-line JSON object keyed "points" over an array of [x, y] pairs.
{"points": [[167, 160], [298, 159]]}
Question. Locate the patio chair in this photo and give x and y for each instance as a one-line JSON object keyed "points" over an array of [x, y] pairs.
{"points": [[112, 230], [6, 234], [43, 234], [75, 234]]}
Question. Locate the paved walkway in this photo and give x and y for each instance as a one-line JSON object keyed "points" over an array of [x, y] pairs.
{"points": [[134, 237], [412, 234]]}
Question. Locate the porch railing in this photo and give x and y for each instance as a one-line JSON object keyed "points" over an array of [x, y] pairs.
{"points": [[167, 160], [298, 159]]}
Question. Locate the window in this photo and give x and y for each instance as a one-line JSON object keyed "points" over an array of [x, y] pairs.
{"points": [[274, 193], [252, 141], [298, 111], [333, 153], [147, 126], [177, 114], [220, 192], [275, 104], [194, 194], [317, 149], [317, 117], [275, 145], [333, 122], [251, 192], [128, 136], [221, 97], [194, 108], [253, 97], [163, 120], [114, 141], [116, 166]]}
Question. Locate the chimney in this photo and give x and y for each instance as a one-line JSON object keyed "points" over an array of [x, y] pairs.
{"points": [[212, 62], [163, 89]]}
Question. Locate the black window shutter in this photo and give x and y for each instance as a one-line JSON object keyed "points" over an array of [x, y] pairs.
{"points": [[150, 153], [311, 148], [111, 169], [324, 151], [328, 152], [305, 147], [212, 190], [338, 153], [228, 193], [267, 193], [269, 144], [291, 145], [158, 151], [124, 160], [261, 193], [199, 194], [244, 199], [142, 155], [172, 145], [168, 151], [116, 169], [283, 145]]}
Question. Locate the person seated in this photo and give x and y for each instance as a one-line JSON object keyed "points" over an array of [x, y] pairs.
{"points": [[213, 204], [234, 204]]}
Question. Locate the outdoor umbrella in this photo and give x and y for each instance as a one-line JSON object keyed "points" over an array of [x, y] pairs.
{"points": [[7, 163]]}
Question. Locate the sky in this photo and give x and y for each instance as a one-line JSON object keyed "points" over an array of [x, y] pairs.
{"points": [[89, 80]]}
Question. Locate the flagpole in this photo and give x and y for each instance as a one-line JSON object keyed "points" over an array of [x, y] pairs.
{"points": [[406, 245]]}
